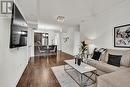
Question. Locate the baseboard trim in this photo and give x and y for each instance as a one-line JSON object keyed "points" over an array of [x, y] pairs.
{"points": [[23, 71]]}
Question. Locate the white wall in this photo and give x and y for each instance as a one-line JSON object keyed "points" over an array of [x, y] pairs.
{"points": [[72, 45], [53, 40], [68, 46], [12, 61], [77, 41], [101, 27]]}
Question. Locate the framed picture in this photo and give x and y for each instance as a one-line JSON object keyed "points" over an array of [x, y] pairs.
{"points": [[122, 36]]}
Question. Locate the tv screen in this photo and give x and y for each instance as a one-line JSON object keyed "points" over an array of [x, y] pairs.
{"points": [[19, 29]]}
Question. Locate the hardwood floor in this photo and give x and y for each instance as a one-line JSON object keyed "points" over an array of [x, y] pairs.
{"points": [[38, 73]]}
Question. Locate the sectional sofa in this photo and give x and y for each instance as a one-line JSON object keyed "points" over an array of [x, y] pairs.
{"points": [[109, 75]]}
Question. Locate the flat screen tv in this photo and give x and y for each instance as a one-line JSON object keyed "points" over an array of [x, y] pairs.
{"points": [[19, 29]]}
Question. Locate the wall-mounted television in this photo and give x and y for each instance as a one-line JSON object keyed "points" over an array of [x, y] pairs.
{"points": [[19, 29]]}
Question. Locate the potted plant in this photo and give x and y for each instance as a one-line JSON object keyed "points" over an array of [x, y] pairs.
{"points": [[83, 49]]}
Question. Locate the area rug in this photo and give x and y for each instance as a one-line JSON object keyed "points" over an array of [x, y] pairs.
{"points": [[64, 79]]}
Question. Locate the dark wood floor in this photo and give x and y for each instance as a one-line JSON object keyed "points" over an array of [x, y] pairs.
{"points": [[38, 72]]}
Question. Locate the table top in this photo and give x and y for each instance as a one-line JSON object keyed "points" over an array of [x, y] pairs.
{"points": [[83, 68]]}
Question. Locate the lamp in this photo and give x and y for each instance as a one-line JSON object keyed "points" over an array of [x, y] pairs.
{"points": [[88, 41], [91, 46]]}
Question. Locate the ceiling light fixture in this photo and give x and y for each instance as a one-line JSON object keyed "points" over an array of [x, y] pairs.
{"points": [[60, 19]]}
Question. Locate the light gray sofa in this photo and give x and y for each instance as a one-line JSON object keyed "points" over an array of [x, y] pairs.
{"points": [[115, 79], [109, 75], [102, 65]]}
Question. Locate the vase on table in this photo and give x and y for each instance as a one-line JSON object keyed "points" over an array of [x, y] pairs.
{"points": [[79, 60]]}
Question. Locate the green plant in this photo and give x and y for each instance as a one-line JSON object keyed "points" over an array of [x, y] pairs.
{"points": [[83, 48]]}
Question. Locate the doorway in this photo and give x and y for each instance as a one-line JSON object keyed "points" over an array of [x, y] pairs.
{"points": [[42, 46]]}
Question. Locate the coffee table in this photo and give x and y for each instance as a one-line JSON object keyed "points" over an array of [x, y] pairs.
{"points": [[83, 69]]}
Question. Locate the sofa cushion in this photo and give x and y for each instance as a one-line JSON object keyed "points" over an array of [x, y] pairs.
{"points": [[106, 67], [92, 62], [102, 66], [114, 60], [115, 79], [125, 59]]}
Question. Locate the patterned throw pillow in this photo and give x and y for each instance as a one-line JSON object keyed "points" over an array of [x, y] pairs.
{"points": [[98, 53]]}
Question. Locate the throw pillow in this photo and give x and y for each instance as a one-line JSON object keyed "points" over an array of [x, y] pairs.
{"points": [[96, 55], [114, 60], [103, 53]]}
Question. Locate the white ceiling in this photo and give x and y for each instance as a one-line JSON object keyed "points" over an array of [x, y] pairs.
{"points": [[73, 10], [46, 11], [29, 9]]}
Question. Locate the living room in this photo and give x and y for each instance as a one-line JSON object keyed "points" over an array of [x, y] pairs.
{"points": [[101, 24]]}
